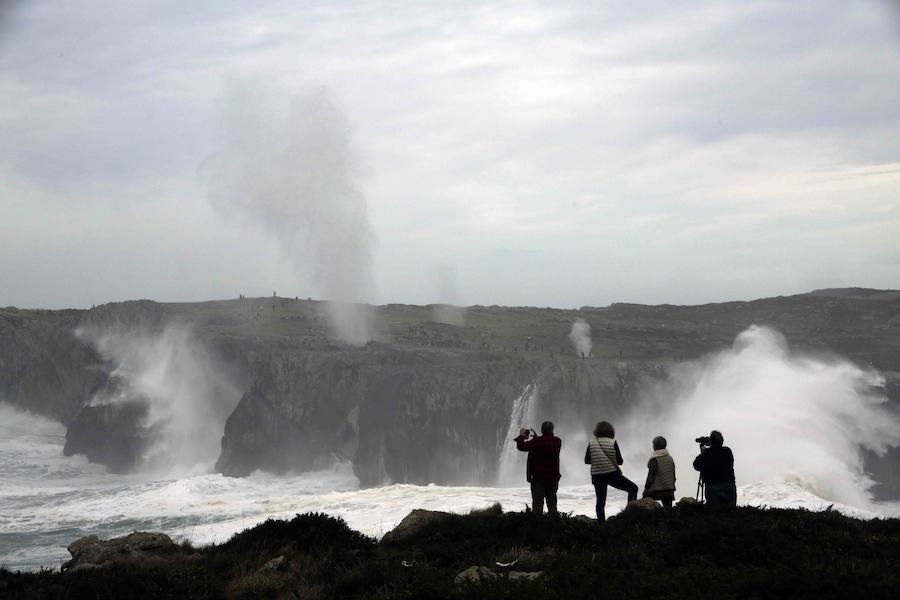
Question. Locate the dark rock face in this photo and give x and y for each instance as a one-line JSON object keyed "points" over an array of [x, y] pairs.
{"points": [[110, 432], [398, 415], [44, 367], [47, 368], [408, 417]]}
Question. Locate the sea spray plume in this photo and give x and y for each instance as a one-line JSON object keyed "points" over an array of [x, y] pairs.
{"points": [[511, 466], [580, 337], [789, 418], [288, 165], [188, 398], [449, 310]]}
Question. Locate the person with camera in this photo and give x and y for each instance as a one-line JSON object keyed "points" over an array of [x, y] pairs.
{"points": [[542, 469], [605, 459], [660, 483], [716, 465]]}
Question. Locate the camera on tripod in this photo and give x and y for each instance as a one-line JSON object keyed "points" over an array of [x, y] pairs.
{"points": [[704, 442]]}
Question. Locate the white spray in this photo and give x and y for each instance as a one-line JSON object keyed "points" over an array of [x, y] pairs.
{"points": [[449, 310], [580, 336], [788, 418], [287, 164], [188, 398], [511, 467]]}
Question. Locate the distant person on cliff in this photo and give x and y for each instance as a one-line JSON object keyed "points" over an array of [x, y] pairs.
{"points": [[660, 483], [716, 465], [605, 459], [542, 469]]}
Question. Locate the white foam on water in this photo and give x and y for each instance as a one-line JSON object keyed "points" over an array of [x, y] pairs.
{"points": [[793, 421]]}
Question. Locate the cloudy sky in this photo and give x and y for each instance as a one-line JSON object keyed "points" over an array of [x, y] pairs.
{"points": [[518, 153]]}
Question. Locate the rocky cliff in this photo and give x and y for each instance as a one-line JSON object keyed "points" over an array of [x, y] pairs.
{"points": [[408, 416], [428, 402], [44, 367]]}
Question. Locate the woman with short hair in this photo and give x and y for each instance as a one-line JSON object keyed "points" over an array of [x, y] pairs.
{"points": [[660, 474], [605, 459]]}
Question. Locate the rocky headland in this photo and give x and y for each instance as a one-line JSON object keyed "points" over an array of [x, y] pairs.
{"points": [[425, 402]]}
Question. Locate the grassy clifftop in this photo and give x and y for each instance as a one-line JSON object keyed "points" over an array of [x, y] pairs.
{"points": [[688, 553]]}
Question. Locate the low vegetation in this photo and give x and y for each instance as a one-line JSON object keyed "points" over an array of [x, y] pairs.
{"points": [[688, 553]]}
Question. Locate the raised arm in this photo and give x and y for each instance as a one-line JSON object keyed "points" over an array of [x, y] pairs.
{"points": [[522, 444]]}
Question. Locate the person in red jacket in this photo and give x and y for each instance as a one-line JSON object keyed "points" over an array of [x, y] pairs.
{"points": [[542, 470]]}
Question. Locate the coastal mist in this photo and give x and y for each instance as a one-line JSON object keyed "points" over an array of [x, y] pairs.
{"points": [[184, 391], [789, 417]]}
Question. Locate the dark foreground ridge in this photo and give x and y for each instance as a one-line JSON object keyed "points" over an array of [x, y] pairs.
{"points": [[691, 552]]}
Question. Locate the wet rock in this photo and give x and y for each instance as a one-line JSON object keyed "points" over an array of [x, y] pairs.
{"points": [[111, 432], [91, 552]]}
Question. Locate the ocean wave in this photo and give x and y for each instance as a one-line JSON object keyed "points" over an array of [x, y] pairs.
{"points": [[40, 516]]}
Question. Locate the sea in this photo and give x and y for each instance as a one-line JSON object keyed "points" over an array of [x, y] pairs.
{"points": [[48, 500]]}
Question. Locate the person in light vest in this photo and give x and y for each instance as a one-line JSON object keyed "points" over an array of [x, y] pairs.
{"points": [[660, 483], [542, 470], [605, 459]]}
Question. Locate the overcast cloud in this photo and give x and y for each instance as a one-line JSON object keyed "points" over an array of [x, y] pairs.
{"points": [[547, 153]]}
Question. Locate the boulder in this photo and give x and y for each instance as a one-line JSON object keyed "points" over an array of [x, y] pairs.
{"points": [[688, 501], [91, 552], [583, 519], [276, 564], [413, 523], [475, 573], [648, 505]]}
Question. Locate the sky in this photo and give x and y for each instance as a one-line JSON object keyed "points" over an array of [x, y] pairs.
{"points": [[515, 153]]}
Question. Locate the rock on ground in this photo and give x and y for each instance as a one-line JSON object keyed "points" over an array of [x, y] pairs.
{"points": [[478, 573], [276, 564], [413, 523], [91, 552], [475, 573], [644, 505]]}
